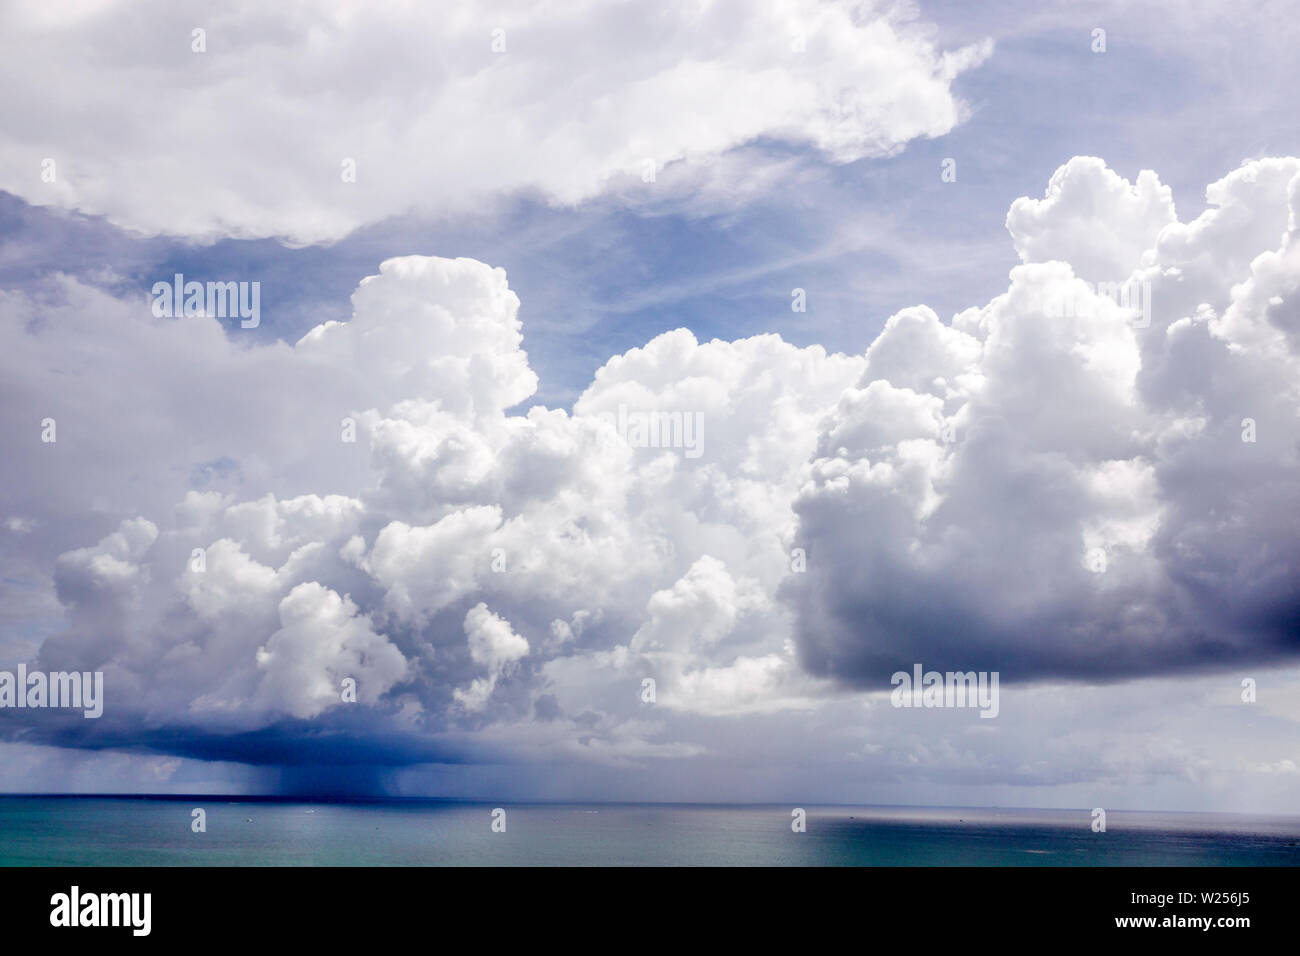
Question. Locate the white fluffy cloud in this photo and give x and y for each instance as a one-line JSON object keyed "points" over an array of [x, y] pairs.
{"points": [[1110, 498], [511, 577], [250, 137], [321, 643], [492, 644], [1092, 218]]}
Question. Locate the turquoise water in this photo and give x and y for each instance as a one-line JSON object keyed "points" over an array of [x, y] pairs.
{"points": [[81, 831]]}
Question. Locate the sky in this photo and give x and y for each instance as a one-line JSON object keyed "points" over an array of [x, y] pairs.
{"points": [[872, 253]]}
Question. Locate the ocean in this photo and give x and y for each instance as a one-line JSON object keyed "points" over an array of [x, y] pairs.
{"points": [[153, 831]]}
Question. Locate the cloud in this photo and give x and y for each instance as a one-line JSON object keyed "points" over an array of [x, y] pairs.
{"points": [[1100, 506], [492, 644], [1053, 493], [1092, 218], [252, 137], [321, 643]]}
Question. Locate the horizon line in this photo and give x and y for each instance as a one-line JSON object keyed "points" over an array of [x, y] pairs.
{"points": [[344, 799]]}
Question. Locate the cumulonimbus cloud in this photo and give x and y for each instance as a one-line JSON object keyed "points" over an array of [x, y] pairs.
{"points": [[1093, 476]]}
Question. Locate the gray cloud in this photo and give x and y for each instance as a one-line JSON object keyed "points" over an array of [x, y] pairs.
{"points": [[500, 582]]}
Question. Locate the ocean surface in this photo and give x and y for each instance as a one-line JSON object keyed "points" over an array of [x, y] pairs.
{"points": [[140, 831]]}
